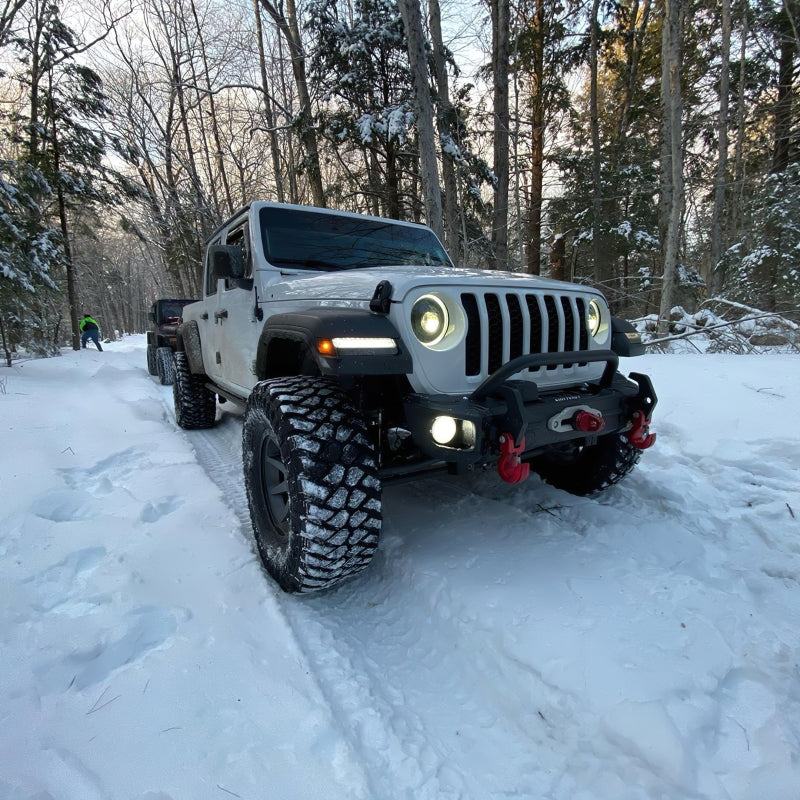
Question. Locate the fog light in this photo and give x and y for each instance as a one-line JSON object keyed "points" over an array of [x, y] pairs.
{"points": [[443, 430]]}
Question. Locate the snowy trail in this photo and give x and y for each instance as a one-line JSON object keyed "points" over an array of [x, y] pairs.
{"points": [[442, 678], [505, 642]]}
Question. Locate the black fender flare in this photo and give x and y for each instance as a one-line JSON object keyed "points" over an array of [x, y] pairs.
{"points": [[625, 339], [188, 341], [308, 328]]}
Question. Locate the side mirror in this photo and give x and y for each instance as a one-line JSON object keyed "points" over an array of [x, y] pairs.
{"points": [[225, 261]]}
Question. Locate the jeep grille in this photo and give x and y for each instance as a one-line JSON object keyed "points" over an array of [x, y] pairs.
{"points": [[504, 325]]}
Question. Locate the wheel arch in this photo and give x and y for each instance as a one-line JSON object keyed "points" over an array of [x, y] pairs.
{"points": [[188, 341], [288, 345]]}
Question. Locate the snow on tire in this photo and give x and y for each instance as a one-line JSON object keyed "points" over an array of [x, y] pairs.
{"points": [[195, 404], [164, 365], [312, 482], [590, 469]]}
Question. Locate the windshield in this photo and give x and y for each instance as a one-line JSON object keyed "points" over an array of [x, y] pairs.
{"points": [[327, 242]]}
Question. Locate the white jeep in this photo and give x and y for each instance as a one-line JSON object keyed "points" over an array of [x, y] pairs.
{"points": [[362, 355]]}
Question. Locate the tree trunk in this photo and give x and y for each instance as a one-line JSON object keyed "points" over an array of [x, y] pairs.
{"points": [[429, 167], [500, 68], [446, 119], [738, 148], [782, 113], [7, 15], [713, 275], [635, 34], [72, 288], [534, 260], [599, 256], [289, 27], [672, 198], [269, 115]]}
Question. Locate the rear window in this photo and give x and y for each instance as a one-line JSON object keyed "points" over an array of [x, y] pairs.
{"points": [[173, 308]]}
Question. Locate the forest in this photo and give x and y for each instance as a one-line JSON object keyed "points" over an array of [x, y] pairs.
{"points": [[648, 147]]}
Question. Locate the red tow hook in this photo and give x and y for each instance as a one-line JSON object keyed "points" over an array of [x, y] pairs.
{"points": [[511, 469], [639, 435]]}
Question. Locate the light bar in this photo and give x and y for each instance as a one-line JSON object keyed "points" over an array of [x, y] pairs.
{"points": [[364, 343], [357, 345]]}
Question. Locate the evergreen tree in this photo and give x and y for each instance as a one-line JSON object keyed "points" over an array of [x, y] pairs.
{"points": [[59, 144], [359, 63], [30, 253], [763, 268]]}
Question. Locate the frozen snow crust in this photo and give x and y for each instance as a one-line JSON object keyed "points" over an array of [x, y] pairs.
{"points": [[505, 641]]}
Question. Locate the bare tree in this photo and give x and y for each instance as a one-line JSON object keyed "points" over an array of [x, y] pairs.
{"points": [[445, 122], [269, 116], [534, 255], [8, 11], [500, 67], [600, 257], [672, 185], [721, 175], [429, 166], [289, 27]]}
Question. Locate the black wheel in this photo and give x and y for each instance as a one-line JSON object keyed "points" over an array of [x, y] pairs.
{"points": [[312, 482], [195, 404], [152, 367], [590, 469], [164, 366]]}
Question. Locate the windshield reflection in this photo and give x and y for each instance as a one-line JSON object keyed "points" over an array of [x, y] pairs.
{"points": [[328, 242]]}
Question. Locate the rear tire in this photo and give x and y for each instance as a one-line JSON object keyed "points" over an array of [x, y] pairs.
{"points": [[312, 482], [164, 366], [195, 404], [590, 469], [152, 366]]}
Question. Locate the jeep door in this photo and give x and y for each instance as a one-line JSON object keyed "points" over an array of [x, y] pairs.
{"points": [[237, 325], [208, 319]]}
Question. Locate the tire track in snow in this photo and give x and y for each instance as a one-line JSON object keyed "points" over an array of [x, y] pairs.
{"points": [[359, 640], [384, 655], [426, 661]]}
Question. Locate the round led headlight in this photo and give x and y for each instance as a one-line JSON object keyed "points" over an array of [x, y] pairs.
{"points": [[429, 320], [596, 320]]}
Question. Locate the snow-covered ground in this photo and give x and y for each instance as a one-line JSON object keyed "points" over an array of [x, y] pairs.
{"points": [[505, 642]]}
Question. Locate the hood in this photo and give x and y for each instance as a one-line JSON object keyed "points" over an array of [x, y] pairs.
{"points": [[359, 284]]}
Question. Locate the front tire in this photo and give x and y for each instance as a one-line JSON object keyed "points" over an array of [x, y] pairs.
{"points": [[312, 482], [586, 470], [164, 366], [195, 404]]}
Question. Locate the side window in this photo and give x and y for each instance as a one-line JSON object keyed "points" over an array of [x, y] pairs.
{"points": [[211, 284], [240, 237]]}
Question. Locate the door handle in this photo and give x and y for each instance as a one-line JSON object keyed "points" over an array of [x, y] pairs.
{"points": [[218, 315]]}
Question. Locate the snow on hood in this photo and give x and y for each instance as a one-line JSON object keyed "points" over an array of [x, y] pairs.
{"points": [[359, 284]]}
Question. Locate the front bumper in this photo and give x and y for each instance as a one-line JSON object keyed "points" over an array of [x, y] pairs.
{"points": [[502, 406]]}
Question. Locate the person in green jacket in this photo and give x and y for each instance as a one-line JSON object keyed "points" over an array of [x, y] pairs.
{"points": [[90, 330]]}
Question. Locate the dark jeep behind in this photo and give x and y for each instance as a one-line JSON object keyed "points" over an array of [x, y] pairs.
{"points": [[165, 316]]}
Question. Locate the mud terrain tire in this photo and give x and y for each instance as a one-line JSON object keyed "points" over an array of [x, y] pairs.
{"points": [[588, 470], [164, 366], [195, 404], [152, 366], [312, 482]]}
